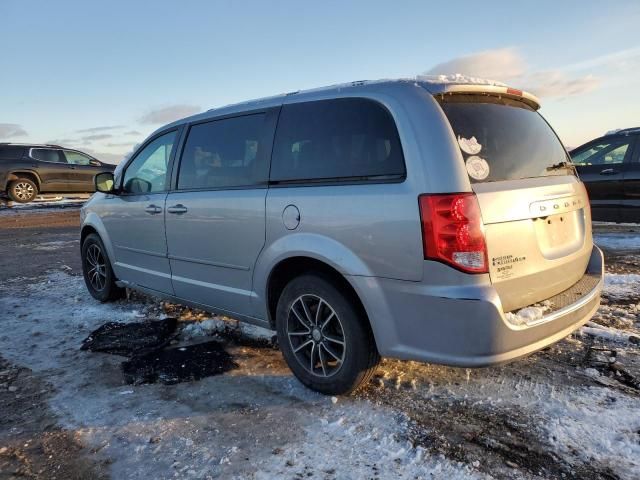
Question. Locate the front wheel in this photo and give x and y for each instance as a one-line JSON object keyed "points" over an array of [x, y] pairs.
{"points": [[22, 190], [96, 269], [325, 339]]}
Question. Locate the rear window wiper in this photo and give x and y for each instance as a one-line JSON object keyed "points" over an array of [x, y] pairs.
{"points": [[560, 165]]}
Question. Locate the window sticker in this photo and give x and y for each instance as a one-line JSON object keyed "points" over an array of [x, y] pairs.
{"points": [[477, 168], [469, 145]]}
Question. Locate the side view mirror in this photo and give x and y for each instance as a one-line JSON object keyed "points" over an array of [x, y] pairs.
{"points": [[95, 163], [104, 182], [138, 186]]}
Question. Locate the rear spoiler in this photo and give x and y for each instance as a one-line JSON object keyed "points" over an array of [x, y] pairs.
{"points": [[475, 89]]}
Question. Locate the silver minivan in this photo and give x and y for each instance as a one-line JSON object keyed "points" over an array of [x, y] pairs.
{"points": [[430, 220]]}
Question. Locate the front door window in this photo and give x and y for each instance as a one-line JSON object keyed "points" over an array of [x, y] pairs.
{"points": [[147, 173]]}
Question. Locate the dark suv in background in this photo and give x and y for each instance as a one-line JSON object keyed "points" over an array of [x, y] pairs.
{"points": [[609, 166], [27, 170]]}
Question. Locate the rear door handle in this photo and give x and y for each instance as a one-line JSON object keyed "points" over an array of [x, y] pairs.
{"points": [[609, 171], [153, 209], [177, 209]]}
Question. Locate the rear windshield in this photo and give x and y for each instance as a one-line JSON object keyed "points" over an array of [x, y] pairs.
{"points": [[503, 139]]}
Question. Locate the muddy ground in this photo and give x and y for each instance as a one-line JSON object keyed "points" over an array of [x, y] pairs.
{"points": [[570, 411]]}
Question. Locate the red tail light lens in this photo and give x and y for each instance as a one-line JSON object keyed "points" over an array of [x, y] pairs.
{"points": [[452, 231]]}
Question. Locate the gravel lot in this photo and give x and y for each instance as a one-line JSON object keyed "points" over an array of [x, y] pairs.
{"points": [[570, 411]]}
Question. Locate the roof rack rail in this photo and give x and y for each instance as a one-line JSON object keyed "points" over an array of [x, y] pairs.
{"points": [[31, 144]]}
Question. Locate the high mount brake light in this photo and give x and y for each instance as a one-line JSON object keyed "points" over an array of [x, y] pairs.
{"points": [[452, 231]]}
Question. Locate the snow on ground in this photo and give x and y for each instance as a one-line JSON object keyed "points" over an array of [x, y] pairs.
{"points": [[53, 245], [252, 423], [550, 415], [618, 241], [42, 203], [594, 425], [355, 438], [622, 285], [209, 327], [258, 422], [607, 333]]}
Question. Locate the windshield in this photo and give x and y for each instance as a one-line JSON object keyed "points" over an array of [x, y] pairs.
{"points": [[503, 139]]}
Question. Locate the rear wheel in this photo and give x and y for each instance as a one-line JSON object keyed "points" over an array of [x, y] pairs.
{"points": [[96, 268], [22, 190], [324, 338]]}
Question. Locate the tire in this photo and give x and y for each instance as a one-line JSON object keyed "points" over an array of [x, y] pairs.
{"points": [[96, 269], [323, 364], [22, 190]]}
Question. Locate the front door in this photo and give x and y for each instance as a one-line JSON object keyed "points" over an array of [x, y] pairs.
{"points": [[215, 219], [135, 217], [81, 172], [600, 167]]}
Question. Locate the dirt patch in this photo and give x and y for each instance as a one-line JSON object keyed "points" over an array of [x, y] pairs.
{"points": [[57, 219], [26, 253], [31, 444]]}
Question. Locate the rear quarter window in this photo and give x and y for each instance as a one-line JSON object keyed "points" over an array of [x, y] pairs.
{"points": [[503, 139], [333, 140], [48, 155]]}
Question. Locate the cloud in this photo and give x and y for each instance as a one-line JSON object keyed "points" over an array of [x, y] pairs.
{"points": [[11, 130], [508, 65], [96, 137], [113, 158], [122, 144], [133, 132], [621, 59], [558, 84], [500, 64], [62, 141], [168, 114], [99, 129]]}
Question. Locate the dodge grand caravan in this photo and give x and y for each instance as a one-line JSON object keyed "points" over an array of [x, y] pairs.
{"points": [[425, 220]]}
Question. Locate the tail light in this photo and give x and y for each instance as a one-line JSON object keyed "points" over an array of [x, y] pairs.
{"points": [[452, 231]]}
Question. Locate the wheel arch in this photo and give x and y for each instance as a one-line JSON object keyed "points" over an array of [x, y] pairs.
{"points": [[291, 267], [93, 224], [30, 174]]}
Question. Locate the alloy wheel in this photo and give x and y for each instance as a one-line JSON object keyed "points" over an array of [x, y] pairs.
{"points": [[316, 335], [24, 191], [96, 267]]}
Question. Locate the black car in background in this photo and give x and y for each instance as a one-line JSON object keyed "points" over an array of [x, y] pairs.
{"points": [[27, 170], [609, 166]]}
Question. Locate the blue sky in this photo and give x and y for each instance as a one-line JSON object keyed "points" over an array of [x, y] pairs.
{"points": [[71, 69]]}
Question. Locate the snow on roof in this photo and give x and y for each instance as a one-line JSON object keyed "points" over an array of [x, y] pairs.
{"points": [[458, 79]]}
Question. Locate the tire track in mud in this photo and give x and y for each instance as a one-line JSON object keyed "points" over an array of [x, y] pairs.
{"points": [[500, 439]]}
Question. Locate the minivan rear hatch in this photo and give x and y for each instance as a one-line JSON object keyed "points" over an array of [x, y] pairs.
{"points": [[534, 209]]}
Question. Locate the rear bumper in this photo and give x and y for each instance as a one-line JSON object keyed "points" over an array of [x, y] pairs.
{"points": [[411, 323]]}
